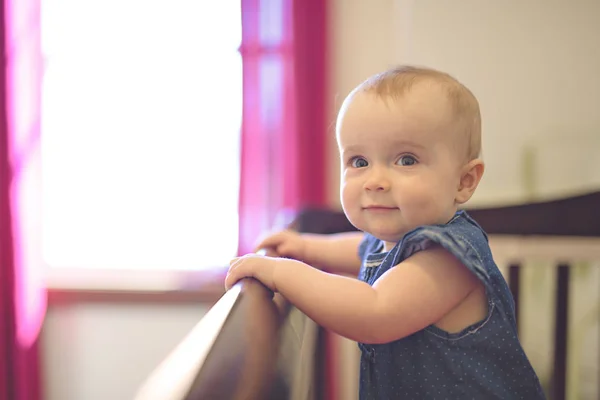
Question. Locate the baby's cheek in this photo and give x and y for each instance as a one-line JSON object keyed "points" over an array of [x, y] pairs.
{"points": [[351, 206], [424, 208], [348, 195]]}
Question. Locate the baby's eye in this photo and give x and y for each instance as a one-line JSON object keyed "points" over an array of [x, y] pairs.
{"points": [[407, 161], [358, 162]]}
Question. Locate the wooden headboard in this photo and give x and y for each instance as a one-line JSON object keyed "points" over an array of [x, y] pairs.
{"points": [[572, 216]]}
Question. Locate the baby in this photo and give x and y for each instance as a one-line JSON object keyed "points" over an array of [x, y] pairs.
{"points": [[430, 310]]}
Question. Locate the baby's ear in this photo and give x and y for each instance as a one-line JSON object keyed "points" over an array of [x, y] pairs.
{"points": [[469, 179]]}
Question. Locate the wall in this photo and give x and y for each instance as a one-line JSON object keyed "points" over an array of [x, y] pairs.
{"points": [[94, 351], [533, 65]]}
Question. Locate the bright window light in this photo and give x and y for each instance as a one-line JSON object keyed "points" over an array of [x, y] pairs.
{"points": [[141, 116]]}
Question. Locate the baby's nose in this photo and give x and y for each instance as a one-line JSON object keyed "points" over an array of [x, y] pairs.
{"points": [[377, 181]]}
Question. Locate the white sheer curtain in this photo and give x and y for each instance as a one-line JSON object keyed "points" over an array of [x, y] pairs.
{"points": [[141, 114]]}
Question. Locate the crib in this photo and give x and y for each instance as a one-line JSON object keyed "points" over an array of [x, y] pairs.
{"points": [[251, 345]]}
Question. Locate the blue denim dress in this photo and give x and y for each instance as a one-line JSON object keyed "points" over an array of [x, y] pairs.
{"points": [[483, 361]]}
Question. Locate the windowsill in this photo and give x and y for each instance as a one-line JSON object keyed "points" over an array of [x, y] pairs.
{"points": [[68, 286]]}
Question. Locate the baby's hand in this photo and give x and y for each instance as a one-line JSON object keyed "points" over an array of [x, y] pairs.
{"points": [[285, 244], [253, 266]]}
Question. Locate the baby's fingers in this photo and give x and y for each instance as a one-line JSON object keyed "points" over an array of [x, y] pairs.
{"points": [[233, 274], [271, 241]]}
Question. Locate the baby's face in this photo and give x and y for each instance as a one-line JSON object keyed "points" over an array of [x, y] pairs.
{"points": [[400, 169]]}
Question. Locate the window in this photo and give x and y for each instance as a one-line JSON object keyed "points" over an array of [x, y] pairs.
{"points": [[141, 115]]}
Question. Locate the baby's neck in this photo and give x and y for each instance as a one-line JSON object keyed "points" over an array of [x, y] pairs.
{"points": [[387, 246]]}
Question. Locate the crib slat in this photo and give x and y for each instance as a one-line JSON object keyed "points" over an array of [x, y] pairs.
{"points": [[559, 381]]}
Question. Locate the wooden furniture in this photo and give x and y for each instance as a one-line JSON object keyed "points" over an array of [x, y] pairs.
{"points": [[257, 350]]}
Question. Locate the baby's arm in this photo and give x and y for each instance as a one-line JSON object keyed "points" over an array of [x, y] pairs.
{"points": [[335, 253], [407, 298]]}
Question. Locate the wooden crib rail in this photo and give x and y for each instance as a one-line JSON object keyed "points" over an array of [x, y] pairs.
{"points": [[231, 353], [235, 350]]}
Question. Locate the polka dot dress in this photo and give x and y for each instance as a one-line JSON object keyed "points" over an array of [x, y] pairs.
{"points": [[483, 361]]}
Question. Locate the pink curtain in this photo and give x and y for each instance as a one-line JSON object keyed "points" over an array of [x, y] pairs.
{"points": [[22, 299], [284, 124]]}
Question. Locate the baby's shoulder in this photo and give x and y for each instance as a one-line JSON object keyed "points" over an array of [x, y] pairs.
{"points": [[462, 237]]}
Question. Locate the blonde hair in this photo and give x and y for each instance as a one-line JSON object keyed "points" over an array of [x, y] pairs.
{"points": [[395, 82]]}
